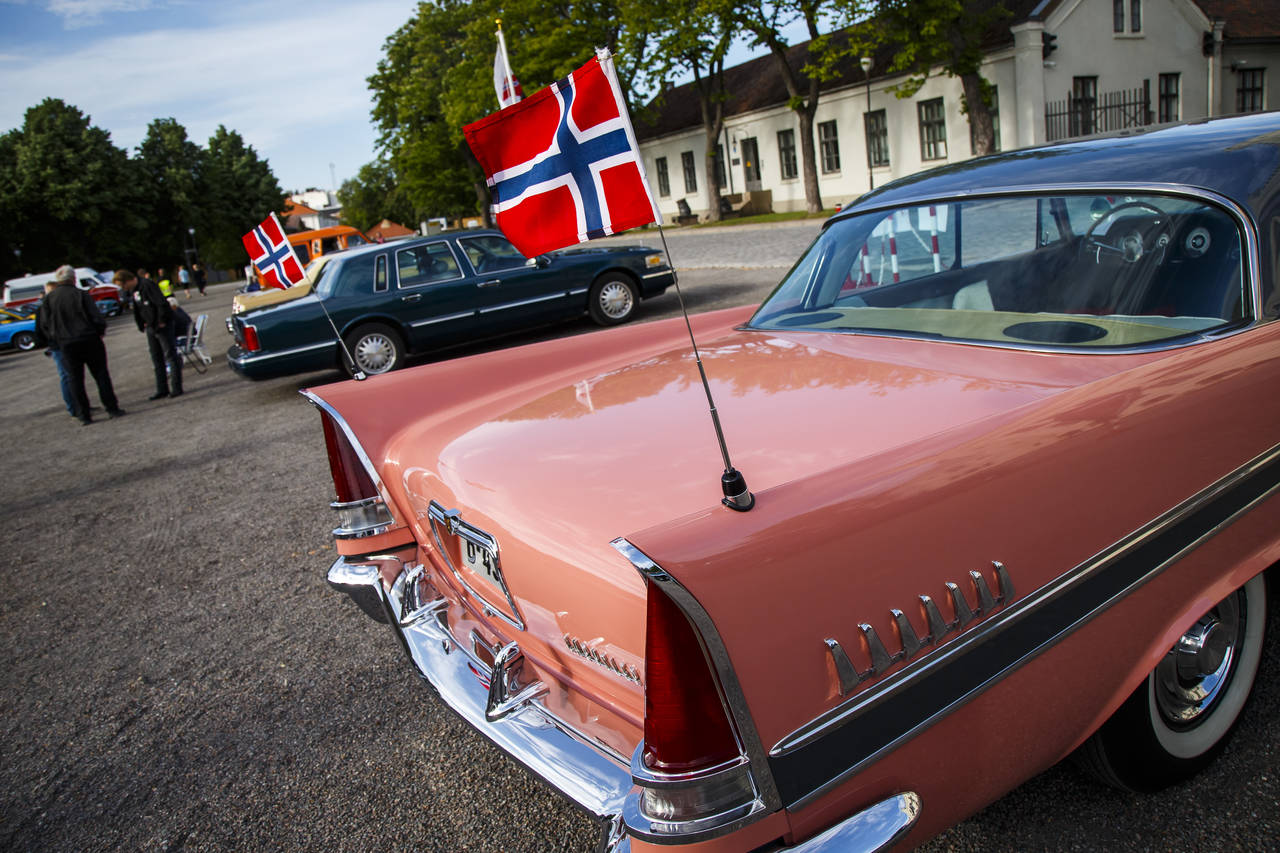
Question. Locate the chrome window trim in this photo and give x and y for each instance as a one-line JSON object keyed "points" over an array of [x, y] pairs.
{"points": [[448, 244], [753, 751], [524, 302], [849, 711], [342, 424], [454, 525], [1250, 258]]}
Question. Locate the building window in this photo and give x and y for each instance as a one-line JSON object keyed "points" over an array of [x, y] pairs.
{"points": [[1119, 18], [830, 145], [1249, 89], [994, 109], [1169, 96], [933, 129], [690, 172], [1084, 103], [877, 139], [787, 154], [664, 179]]}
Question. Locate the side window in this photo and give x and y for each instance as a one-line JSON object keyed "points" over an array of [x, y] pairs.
{"points": [[304, 256], [355, 277], [490, 253], [380, 275], [354, 240], [998, 229], [426, 264], [330, 244]]}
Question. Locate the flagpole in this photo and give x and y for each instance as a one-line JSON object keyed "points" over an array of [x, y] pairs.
{"points": [[506, 61]]}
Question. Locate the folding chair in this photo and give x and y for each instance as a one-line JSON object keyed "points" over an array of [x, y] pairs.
{"points": [[191, 344]]}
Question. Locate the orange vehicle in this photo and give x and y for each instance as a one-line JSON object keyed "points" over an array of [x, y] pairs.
{"points": [[321, 241]]}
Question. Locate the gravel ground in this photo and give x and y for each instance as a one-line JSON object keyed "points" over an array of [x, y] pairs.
{"points": [[177, 674]]}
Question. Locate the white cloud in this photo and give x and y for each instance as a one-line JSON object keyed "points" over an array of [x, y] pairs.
{"points": [[290, 77], [83, 13]]}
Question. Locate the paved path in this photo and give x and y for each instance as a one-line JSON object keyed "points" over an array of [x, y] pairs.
{"points": [[766, 245]]}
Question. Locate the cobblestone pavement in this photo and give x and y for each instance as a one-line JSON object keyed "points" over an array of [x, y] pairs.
{"points": [[175, 673], [757, 246]]}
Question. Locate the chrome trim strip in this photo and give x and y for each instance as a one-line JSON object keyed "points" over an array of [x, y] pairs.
{"points": [[524, 302], [579, 291], [583, 770], [871, 830], [342, 424], [1251, 257], [732, 695], [461, 314], [263, 355], [658, 274], [1056, 593]]}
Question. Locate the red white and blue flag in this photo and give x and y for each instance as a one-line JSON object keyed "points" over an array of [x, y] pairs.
{"points": [[270, 252], [563, 165], [504, 79]]}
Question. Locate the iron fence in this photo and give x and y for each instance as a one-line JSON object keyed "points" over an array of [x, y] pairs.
{"points": [[1081, 116]]}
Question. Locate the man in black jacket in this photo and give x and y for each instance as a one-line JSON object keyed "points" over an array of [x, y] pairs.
{"points": [[153, 314], [69, 318]]}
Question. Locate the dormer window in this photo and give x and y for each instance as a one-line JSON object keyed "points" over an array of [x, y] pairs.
{"points": [[1126, 16]]}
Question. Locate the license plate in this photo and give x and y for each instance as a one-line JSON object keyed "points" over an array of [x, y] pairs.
{"points": [[479, 560]]}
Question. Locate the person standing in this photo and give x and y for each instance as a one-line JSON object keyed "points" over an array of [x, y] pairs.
{"points": [[162, 281], [154, 316], [198, 272], [69, 318], [64, 378], [184, 278]]}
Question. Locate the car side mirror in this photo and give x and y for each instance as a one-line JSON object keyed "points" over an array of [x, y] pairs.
{"points": [[539, 262]]}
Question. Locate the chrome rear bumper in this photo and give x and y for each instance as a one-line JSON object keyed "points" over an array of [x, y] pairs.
{"points": [[534, 737]]}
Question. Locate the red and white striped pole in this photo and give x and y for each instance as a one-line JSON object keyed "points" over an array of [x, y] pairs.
{"points": [[933, 235], [893, 248]]}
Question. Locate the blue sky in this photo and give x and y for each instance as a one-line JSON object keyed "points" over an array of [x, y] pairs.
{"points": [[289, 75]]}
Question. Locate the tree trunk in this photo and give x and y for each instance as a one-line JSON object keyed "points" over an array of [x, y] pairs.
{"points": [[808, 156], [984, 135]]}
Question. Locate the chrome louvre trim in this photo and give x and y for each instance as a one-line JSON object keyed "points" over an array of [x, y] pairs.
{"points": [[754, 764]]}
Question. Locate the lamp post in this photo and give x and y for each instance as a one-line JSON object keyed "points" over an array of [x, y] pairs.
{"points": [[865, 62], [192, 254]]}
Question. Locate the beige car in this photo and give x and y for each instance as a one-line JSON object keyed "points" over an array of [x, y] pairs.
{"points": [[274, 295]]}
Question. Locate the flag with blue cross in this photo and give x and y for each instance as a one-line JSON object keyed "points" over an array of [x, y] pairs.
{"points": [[270, 252], [563, 165]]}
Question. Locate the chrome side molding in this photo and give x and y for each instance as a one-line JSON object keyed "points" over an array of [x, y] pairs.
{"points": [[871, 830], [910, 643]]}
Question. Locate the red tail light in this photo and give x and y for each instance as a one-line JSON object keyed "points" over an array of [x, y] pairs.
{"points": [[351, 482], [685, 724], [251, 339]]}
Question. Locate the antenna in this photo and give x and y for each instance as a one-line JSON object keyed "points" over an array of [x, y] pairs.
{"points": [[736, 494], [356, 373]]}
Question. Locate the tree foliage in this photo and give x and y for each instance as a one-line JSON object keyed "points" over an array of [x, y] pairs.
{"points": [[924, 35], [375, 194], [69, 195]]}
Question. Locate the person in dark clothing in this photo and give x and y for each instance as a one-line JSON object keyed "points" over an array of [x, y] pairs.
{"points": [[70, 320], [64, 378], [201, 279], [154, 315]]}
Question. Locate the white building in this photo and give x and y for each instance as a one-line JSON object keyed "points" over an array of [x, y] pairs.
{"points": [[1062, 68]]}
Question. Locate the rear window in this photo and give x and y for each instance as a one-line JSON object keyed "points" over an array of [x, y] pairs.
{"points": [[1091, 270]]}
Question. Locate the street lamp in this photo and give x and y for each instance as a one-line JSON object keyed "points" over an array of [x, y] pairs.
{"points": [[192, 254], [865, 62]]}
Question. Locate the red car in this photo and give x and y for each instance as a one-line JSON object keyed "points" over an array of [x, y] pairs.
{"points": [[1012, 439]]}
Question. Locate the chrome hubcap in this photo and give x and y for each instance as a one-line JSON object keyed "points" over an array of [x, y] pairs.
{"points": [[374, 354], [615, 300], [1195, 672]]}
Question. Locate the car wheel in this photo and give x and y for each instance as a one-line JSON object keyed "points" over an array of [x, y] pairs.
{"points": [[376, 348], [24, 341], [1177, 721], [612, 300]]}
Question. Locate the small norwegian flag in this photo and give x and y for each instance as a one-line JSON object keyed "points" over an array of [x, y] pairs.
{"points": [[563, 165], [271, 253], [504, 79]]}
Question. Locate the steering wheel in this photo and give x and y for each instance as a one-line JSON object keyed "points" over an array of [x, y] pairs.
{"points": [[1129, 238]]}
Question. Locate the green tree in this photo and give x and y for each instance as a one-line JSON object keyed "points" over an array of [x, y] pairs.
{"points": [[691, 37], [926, 35], [172, 186], [65, 193], [373, 195], [239, 190], [436, 76], [802, 77]]}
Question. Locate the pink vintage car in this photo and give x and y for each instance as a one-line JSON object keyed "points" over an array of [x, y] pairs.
{"points": [[1012, 433]]}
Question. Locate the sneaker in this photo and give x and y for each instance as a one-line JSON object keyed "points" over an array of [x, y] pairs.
{"points": [[158, 395], [116, 413]]}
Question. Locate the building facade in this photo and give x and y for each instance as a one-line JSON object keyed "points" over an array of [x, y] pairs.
{"points": [[1061, 68]]}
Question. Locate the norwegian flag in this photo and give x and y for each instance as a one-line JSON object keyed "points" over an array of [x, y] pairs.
{"points": [[504, 79], [271, 253], [563, 165]]}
